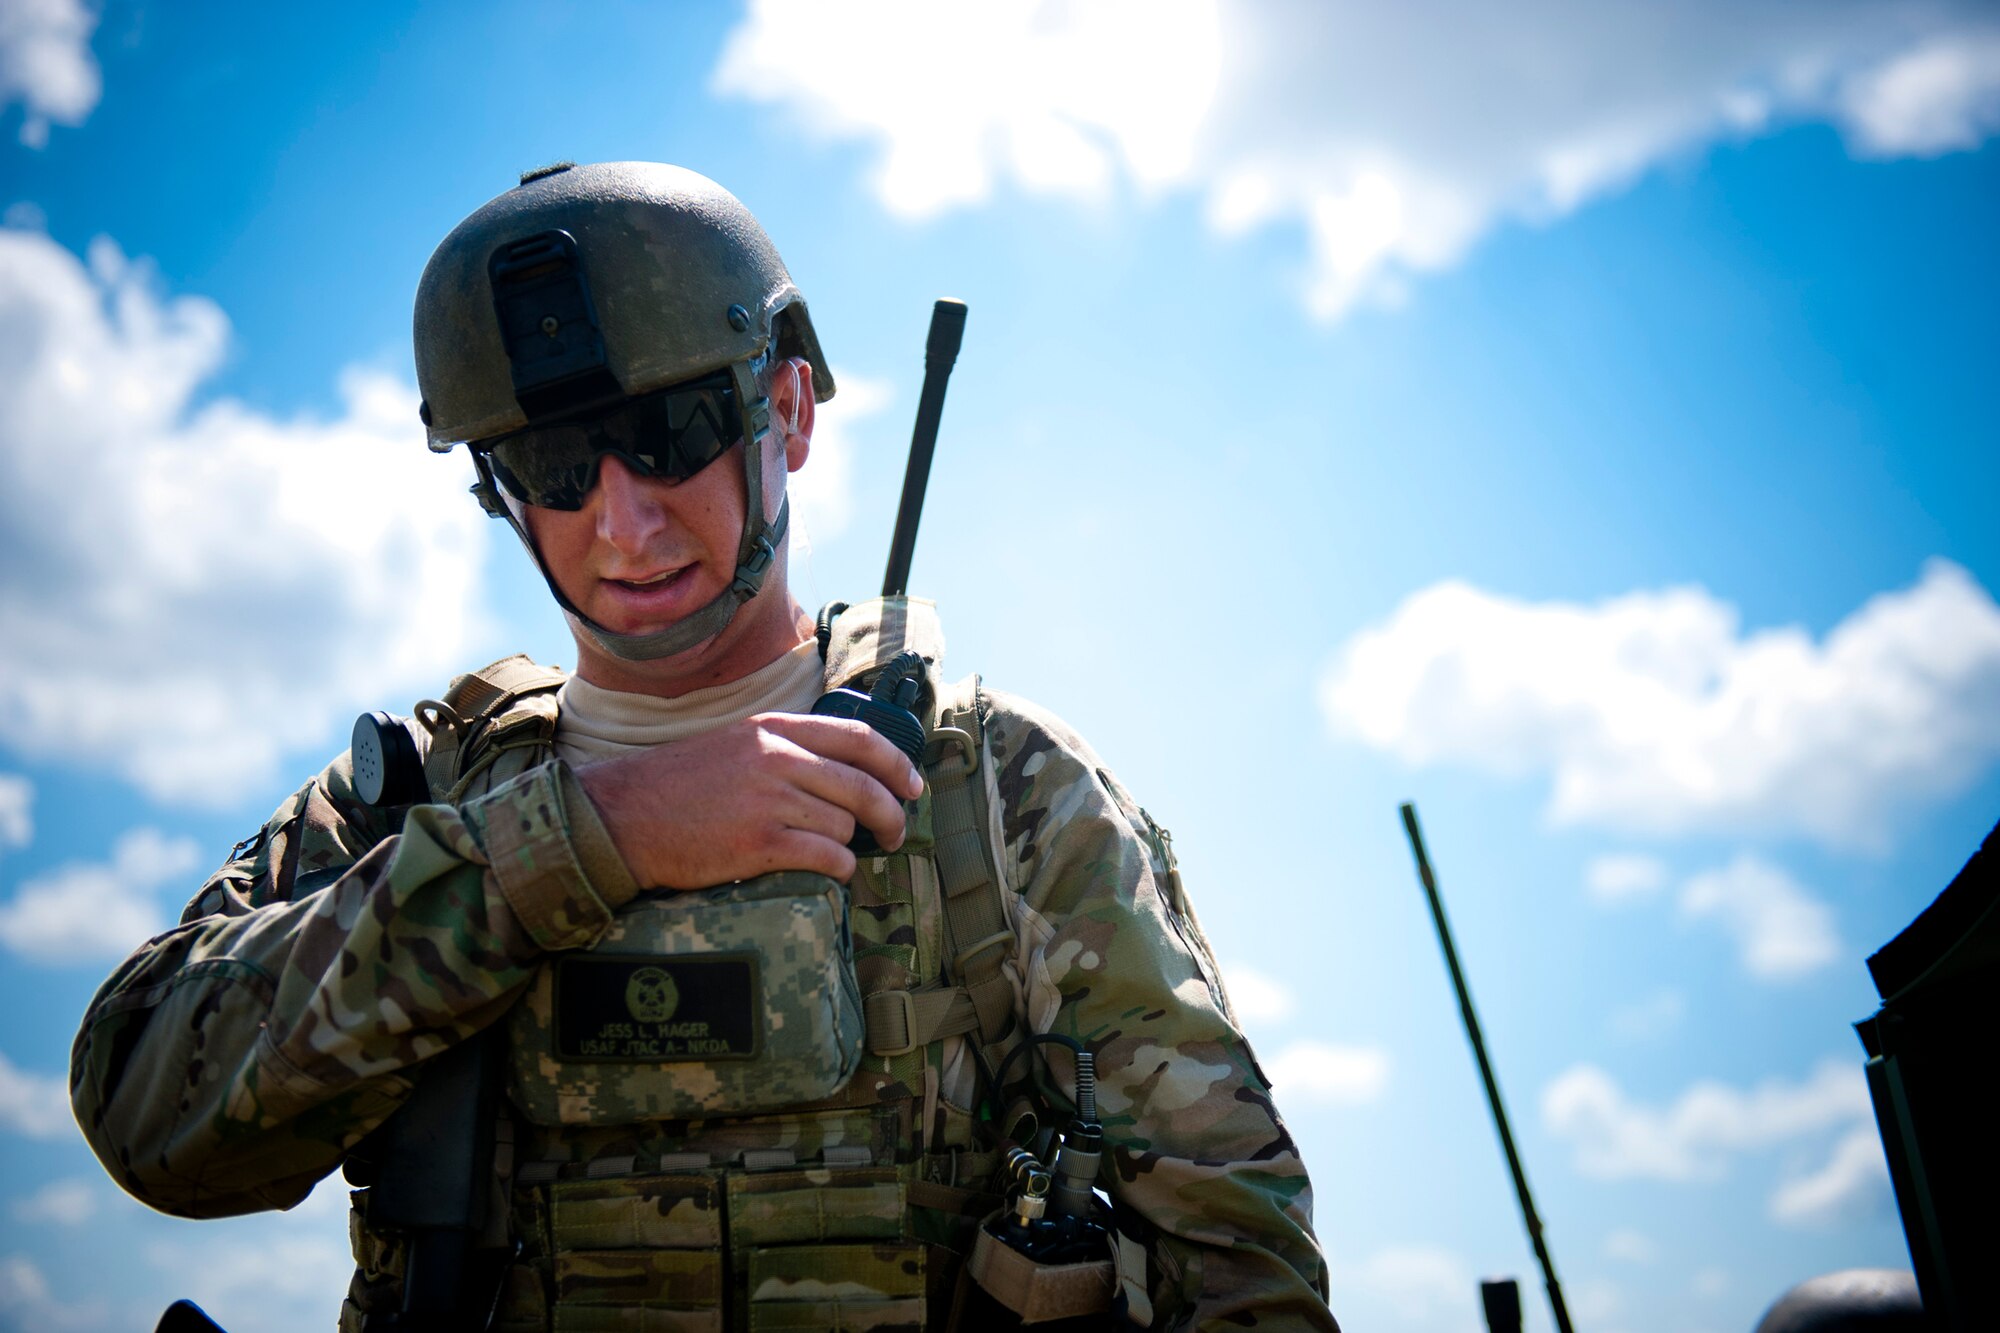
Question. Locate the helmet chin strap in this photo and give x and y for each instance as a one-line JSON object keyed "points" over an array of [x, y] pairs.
{"points": [[755, 555]]}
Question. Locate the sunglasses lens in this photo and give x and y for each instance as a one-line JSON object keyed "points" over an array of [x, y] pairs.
{"points": [[677, 433], [550, 467], [671, 435]]}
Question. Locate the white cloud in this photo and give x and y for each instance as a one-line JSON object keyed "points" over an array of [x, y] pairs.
{"points": [[1654, 1016], [1323, 1074], [1782, 932], [17, 811], [1943, 96], [35, 1105], [1258, 997], [1059, 98], [65, 1203], [28, 1303], [1854, 1180], [88, 911], [1615, 1137], [21, 1283], [189, 594], [1395, 136], [1654, 712], [1711, 1282], [1624, 877], [1594, 1301], [46, 65], [823, 491], [1633, 1247], [1417, 1284]]}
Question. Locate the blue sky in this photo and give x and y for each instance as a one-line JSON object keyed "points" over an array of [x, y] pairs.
{"points": [[1582, 425]]}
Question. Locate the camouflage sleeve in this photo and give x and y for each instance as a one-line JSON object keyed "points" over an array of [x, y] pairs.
{"points": [[228, 1064], [1198, 1161]]}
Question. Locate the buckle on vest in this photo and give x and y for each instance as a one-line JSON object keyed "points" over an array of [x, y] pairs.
{"points": [[943, 740], [883, 1015]]}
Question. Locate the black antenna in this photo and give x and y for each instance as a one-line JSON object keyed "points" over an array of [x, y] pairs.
{"points": [[940, 353], [1528, 1215]]}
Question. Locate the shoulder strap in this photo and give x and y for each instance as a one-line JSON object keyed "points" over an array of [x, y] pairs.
{"points": [[858, 641], [496, 707], [967, 861], [974, 997]]}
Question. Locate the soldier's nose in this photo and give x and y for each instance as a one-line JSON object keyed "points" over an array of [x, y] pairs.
{"points": [[628, 514]]}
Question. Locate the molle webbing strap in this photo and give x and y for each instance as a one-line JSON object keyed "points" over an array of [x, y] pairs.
{"points": [[976, 928], [481, 694], [899, 1021], [459, 723], [976, 996]]}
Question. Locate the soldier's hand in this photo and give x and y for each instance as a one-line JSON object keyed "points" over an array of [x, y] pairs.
{"points": [[777, 791]]}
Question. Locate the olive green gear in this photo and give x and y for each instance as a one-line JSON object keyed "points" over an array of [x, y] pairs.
{"points": [[683, 282], [684, 278]]}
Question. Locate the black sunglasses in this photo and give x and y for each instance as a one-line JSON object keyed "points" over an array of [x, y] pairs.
{"points": [[671, 434]]}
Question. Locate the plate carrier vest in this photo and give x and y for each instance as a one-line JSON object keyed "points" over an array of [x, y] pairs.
{"points": [[854, 1212]]}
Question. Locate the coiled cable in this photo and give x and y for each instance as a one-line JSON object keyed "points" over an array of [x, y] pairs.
{"points": [[1086, 1072]]}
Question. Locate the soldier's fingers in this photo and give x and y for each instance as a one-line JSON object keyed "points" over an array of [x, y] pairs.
{"points": [[810, 814], [856, 792], [852, 743], [797, 849]]}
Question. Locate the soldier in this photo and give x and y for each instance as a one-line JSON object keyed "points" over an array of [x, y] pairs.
{"points": [[770, 1105]]}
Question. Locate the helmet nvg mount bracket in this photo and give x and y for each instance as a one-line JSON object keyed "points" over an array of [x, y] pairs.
{"points": [[587, 285]]}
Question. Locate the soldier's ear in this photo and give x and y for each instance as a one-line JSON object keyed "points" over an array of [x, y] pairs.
{"points": [[794, 410]]}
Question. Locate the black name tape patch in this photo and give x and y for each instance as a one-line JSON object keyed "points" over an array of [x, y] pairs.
{"points": [[644, 1008]]}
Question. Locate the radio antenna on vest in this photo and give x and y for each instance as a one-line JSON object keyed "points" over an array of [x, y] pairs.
{"points": [[1529, 1217], [940, 354]]}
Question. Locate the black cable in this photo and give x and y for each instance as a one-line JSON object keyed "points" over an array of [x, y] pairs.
{"points": [[999, 1081], [901, 679], [823, 626]]}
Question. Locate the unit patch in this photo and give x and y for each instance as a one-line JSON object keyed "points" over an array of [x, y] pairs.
{"points": [[646, 1008]]}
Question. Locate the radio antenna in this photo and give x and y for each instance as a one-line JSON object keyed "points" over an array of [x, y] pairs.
{"points": [[940, 354]]}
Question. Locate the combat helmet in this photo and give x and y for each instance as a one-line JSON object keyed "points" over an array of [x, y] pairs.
{"points": [[585, 287]]}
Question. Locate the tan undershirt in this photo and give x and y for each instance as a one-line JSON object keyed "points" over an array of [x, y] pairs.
{"points": [[595, 723]]}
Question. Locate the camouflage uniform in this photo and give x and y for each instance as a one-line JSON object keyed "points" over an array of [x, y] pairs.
{"points": [[229, 1064]]}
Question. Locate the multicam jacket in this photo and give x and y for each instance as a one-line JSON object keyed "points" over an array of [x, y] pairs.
{"points": [[231, 1063]]}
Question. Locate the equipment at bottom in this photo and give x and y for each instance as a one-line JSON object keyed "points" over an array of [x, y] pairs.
{"points": [[186, 1317], [1044, 1259], [1855, 1300], [1929, 1057], [1500, 1300]]}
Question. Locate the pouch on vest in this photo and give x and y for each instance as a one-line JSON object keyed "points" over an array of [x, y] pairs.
{"points": [[728, 1001]]}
